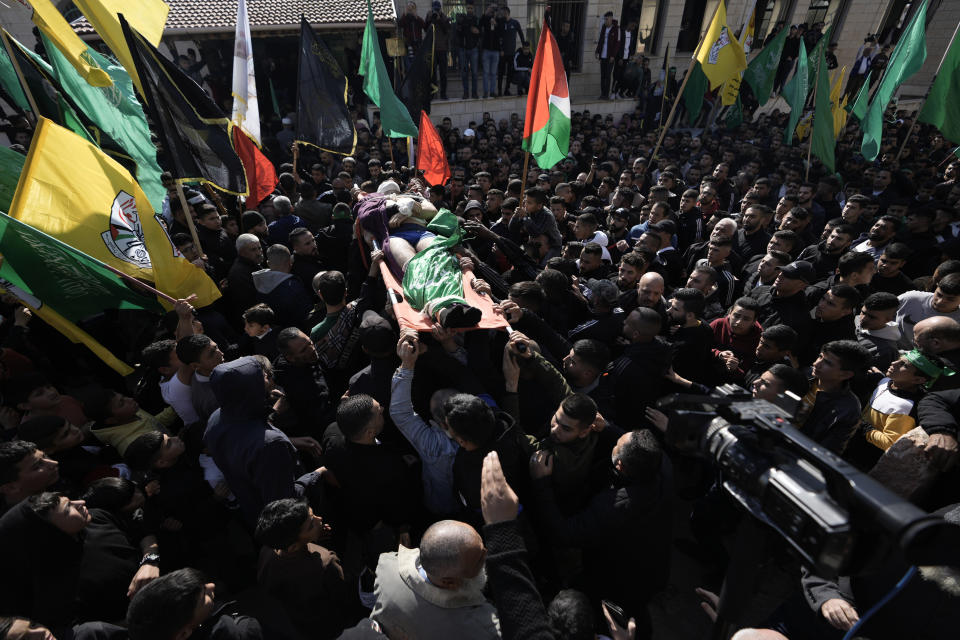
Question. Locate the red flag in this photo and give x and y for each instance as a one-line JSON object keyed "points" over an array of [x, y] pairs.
{"points": [[431, 158], [261, 175]]}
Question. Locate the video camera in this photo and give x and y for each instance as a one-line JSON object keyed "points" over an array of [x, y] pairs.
{"points": [[838, 519]]}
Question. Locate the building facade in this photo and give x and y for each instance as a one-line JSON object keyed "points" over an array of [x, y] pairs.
{"points": [[662, 25]]}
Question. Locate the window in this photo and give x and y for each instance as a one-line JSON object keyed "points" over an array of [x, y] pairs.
{"points": [[690, 23], [895, 21], [70, 12], [771, 14], [817, 12], [646, 15], [572, 11]]}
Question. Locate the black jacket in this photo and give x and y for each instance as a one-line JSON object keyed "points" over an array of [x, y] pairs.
{"points": [[307, 393], [226, 623], [625, 533], [375, 484], [823, 263], [605, 327], [220, 250], [791, 311], [240, 293], [833, 419], [692, 355], [635, 381], [823, 332], [752, 244], [519, 605], [514, 449], [939, 412]]}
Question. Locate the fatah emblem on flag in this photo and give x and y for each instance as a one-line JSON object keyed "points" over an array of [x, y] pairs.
{"points": [[124, 239], [722, 41]]}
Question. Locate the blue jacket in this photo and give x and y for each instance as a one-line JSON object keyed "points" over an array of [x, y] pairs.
{"points": [[286, 295], [435, 448], [278, 231], [258, 460]]}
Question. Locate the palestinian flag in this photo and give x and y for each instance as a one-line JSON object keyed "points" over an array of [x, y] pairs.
{"points": [[546, 128]]}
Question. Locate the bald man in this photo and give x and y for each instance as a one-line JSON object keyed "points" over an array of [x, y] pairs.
{"points": [[940, 336], [436, 591]]}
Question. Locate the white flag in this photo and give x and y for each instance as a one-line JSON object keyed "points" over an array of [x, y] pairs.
{"points": [[246, 113]]}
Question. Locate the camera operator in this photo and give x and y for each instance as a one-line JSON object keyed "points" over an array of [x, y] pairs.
{"points": [[927, 607]]}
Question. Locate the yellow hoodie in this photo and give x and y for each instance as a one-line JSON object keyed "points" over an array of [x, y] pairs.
{"points": [[119, 436]]}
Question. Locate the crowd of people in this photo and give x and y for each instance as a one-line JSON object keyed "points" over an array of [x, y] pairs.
{"points": [[290, 462]]}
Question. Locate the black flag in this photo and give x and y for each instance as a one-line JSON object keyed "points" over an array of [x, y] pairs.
{"points": [[417, 89], [323, 119], [194, 132]]}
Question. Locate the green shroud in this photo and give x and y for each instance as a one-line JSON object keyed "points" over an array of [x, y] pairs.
{"points": [[433, 279]]}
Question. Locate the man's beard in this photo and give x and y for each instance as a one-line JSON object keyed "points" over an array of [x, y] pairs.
{"points": [[946, 578], [475, 584]]}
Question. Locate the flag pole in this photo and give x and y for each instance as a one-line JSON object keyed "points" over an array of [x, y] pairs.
{"points": [[666, 75], [16, 67], [189, 218], [813, 115], [526, 165], [927, 94], [138, 283], [676, 100]]}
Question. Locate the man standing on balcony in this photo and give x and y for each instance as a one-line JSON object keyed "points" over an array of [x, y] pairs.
{"points": [[608, 45]]}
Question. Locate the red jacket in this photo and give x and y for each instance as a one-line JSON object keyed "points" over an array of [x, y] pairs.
{"points": [[613, 46], [744, 347]]}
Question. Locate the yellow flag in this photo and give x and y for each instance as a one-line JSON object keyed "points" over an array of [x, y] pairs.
{"points": [[56, 28], [92, 203], [804, 126], [837, 106], [731, 88], [74, 333], [148, 17], [720, 55]]}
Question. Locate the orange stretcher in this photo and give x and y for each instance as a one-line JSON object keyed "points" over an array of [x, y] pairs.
{"points": [[410, 318]]}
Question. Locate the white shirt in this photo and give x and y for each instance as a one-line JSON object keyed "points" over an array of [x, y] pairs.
{"points": [[606, 39], [864, 247], [179, 396], [627, 37]]}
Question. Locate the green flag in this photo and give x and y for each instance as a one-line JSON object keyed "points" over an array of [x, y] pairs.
{"points": [[862, 101], [693, 92], [795, 93], [942, 108], [815, 56], [9, 81], [762, 70], [394, 119], [273, 97], [734, 117], [823, 139], [907, 58], [69, 281], [11, 165], [116, 111]]}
